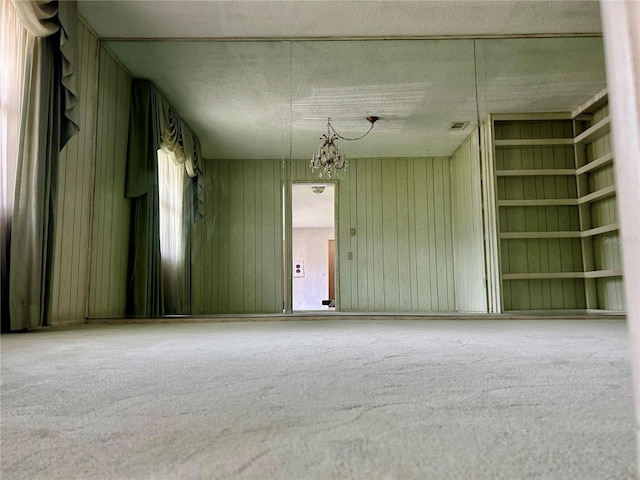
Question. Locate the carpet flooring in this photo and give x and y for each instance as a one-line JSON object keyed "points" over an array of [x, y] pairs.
{"points": [[330, 399]]}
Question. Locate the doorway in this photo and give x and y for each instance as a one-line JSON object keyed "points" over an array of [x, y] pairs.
{"points": [[313, 246]]}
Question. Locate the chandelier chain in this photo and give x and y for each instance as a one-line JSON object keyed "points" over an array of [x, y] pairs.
{"points": [[350, 139]]}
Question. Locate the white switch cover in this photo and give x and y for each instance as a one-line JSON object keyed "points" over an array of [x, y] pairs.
{"points": [[298, 268]]}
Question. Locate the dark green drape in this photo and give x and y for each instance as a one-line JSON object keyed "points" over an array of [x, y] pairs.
{"points": [[48, 120], [33, 223], [144, 292]]}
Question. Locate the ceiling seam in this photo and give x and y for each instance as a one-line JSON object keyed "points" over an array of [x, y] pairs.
{"points": [[352, 38]]}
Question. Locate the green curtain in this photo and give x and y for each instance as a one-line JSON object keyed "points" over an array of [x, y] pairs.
{"points": [[33, 221], [145, 291], [156, 288], [48, 120]]}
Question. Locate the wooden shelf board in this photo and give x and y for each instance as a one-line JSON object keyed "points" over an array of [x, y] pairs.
{"points": [[597, 163], [596, 101], [536, 173], [560, 275], [534, 142], [584, 117], [541, 276], [538, 203], [592, 232], [514, 235], [598, 195], [595, 131], [603, 273], [523, 117], [601, 311]]}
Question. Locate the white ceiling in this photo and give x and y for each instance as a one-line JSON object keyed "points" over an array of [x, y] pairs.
{"points": [[312, 210], [342, 18], [270, 99]]}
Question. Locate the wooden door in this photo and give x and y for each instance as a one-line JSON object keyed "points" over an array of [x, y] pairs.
{"points": [[332, 270]]}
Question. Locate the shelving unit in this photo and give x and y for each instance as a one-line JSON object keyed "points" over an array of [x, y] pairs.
{"points": [[556, 214], [537, 208], [597, 209]]}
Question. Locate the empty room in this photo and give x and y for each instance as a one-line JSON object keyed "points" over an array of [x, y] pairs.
{"points": [[323, 240]]}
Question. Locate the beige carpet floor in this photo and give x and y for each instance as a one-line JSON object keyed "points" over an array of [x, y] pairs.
{"points": [[330, 399]]}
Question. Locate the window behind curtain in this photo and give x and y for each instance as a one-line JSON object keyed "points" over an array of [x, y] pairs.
{"points": [[174, 224]]}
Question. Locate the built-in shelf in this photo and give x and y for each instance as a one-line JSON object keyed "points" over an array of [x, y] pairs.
{"points": [[531, 117], [536, 173], [555, 275], [595, 164], [547, 202], [598, 195], [603, 273], [592, 232], [601, 311], [595, 131], [541, 276], [596, 101], [515, 235], [517, 245], [534, 142]]}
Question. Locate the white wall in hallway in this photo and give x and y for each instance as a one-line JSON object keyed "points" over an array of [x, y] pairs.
{"points": [[310, 245]]}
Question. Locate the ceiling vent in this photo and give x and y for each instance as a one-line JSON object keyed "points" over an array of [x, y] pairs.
{"points": [[458, 125]]}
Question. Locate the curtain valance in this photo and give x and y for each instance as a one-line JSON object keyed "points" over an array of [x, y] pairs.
{"points": [[170, 128], [44, 18], [155, 124], [191, 148]]}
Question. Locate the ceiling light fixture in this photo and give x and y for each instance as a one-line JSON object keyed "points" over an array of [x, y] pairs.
{"points": [[317, 189], [329, 159]]}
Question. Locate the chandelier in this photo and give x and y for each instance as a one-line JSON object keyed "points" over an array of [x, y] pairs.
{"points": [[329, 159]]}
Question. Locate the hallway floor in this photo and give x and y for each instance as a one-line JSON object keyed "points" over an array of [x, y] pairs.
{"points": [[329, 399]]}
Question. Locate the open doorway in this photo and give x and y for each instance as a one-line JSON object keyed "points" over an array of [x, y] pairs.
{"points": [[313, 246]]}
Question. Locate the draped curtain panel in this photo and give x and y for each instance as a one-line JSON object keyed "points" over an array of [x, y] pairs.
{"points": [[13, 56], [159, 280], [145, 296], [47, 121]]}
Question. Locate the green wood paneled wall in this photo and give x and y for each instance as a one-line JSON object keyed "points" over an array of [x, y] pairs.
{"points": [[538, 255], [237, 246], [75, 184], [403, 249], [606, 247], [466, 210], [111, 210]]}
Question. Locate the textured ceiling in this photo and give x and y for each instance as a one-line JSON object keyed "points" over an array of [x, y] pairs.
{"points": [[312, 210], [271, 99], [295, 18]]}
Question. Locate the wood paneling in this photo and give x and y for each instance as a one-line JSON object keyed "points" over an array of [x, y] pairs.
{"points": [[402, 253], [530, 255], [466, 214], [237, 246], [75, 183], [111, 210]]}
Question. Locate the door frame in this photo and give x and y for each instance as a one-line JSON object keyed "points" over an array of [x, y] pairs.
{"points": [[287, 271]]}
